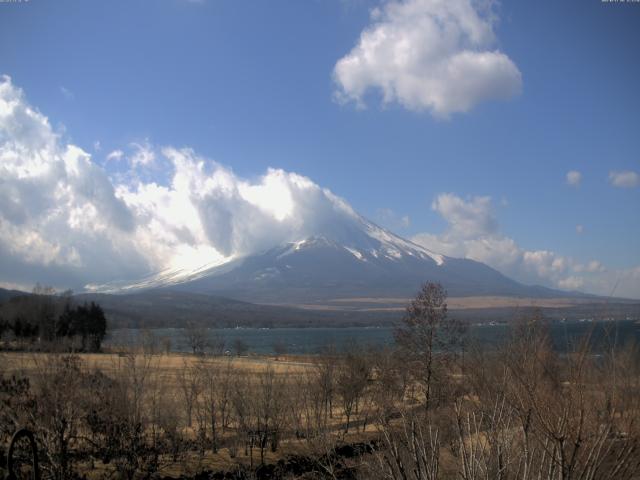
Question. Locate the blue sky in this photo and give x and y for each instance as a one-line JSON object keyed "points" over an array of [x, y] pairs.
{"points": [[251, 85]]}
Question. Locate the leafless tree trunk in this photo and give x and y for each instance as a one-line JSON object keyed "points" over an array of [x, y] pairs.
{"points": [[427, 338], [351, 382], [189, 388]]}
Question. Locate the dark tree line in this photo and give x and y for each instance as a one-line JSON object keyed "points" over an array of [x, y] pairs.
{"points": [[86, 322], [48, 318]]}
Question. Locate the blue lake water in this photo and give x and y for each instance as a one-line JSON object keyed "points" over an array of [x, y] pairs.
{"points": [[313, 340]]}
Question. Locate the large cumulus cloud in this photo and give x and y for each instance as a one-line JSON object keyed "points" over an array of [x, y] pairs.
{"points": [[205, 203], [64, 220], [57, 208], [433, 55], [68, 222]]}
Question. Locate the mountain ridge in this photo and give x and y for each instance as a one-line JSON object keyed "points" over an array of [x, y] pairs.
{"points": [[162, 308], [346, 257]]}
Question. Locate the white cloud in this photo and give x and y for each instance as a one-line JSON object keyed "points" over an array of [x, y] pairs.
{"points": [[66, 93], [210, 204], [595, 266], [392, 220], [466, 218], [579, 229], [143, 154], [115, 155], [16, 286], [592, 267], [571, 283], [473, 232], [574, 178], [624, 179], [428, 55], [64, 222], [58, 210]]}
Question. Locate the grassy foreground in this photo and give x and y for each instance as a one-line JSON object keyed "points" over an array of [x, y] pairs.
{"points": [[522, 411]]}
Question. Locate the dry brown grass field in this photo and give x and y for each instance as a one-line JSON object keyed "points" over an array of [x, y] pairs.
{"points": [[398, 304], [167, 365], [169, 376], [424, 410]]}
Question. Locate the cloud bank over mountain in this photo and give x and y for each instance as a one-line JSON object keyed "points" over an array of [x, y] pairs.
{"points": [[473, 232], [438, 56], [60, 218], [69, 221], [66, 222]]}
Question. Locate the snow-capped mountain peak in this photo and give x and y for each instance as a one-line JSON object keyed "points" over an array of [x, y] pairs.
{"points": [[346, 258]]}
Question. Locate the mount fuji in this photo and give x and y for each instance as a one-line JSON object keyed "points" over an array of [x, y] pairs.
{"points": [[349, 257]]}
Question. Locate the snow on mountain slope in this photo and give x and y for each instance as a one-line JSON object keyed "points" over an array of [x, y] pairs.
{"points": [[318, 268], [164, 278], [371, 241], [348, 257]]}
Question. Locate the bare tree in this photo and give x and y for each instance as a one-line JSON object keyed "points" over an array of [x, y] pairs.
{"points": [[542, 415], [216, 343], [189, 386], [240, 346], [57, 411], [135, 371], [132, 418], [197, 337], [270, 408], [392, 381], [427, 338], [411, 451], [261, 409], [213, 401], [351, 382], [325, 373]]}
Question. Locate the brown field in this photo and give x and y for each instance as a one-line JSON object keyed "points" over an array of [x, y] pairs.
{"points": [[475, 410], [168, 364], [166, 370], [454, 303]]}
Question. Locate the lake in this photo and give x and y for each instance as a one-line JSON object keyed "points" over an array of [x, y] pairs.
{"points": [[312, 340]]}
